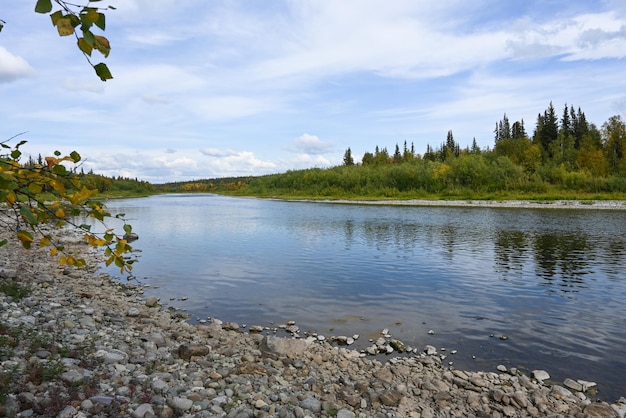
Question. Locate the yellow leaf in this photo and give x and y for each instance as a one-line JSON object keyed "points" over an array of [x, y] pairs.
{"points": [[60, 213], [25, 237], [64, 26], [62, 260], [44, 241], [51, 161], [54, 251], [10, 198]]}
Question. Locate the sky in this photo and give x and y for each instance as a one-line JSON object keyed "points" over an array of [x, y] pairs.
{"points": [[221, 88]]}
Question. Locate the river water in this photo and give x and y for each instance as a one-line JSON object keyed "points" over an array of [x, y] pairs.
{"points": [[552, 281]]}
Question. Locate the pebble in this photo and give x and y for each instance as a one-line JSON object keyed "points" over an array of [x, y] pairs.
{"points": [[125, 357]]}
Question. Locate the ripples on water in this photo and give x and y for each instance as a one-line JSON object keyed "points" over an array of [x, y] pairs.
{"points": [[553, 281]]}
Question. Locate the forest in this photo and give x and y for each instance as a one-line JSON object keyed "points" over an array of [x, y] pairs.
{"points": [[565, 157]]}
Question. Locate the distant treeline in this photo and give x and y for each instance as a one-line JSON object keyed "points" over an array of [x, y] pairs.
{"points": [[565, 157], [224, 184]]}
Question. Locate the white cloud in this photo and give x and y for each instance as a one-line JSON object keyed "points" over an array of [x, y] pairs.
{"points": [[13, 67], [310, 144]]}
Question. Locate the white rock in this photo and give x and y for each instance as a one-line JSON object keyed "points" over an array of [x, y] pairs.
{"points": [[133, 312], [430, 350], [541, 375], [142, 410], [182, 404]]}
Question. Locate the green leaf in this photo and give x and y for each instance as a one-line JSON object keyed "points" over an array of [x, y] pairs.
{"points": [[59, 169], [57, 153], [4, 241], [75, 156], [128, 228], [84, 46], [89, 14], [43, 6], [112, 8], [101, 22], [16, 154], [35, 188], [89, 36], [28, 214], [103, 71]]}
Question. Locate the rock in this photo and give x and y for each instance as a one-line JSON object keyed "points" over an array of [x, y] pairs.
{"points": [[142, 410], [180, 404], [115, 356], [573, 385], [312, 404], [541, 375], [390, 398], [397, 345], [600, 409], [187, 351], [345, 413], [283, 347], [559, 392], [620, 408], [133, 312], [430, 350], [501, 368], [130, 237], [152, 301]]}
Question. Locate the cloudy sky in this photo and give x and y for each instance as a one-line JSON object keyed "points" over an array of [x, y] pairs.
{"points": [[226, 88]]}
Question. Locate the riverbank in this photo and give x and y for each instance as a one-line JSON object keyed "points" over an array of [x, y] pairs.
{"points": [[521, 204], [79, 344]]}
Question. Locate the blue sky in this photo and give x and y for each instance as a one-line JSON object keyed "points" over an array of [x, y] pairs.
{"points": [[226, 88]]}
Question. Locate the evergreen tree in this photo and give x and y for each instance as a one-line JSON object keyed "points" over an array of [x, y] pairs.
{"points": [[397, 157], [518, 131], [547, 130], [347, 158], [475, 149]]}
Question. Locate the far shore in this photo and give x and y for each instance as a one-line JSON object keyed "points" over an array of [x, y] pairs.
{"points": [[518, 204]]}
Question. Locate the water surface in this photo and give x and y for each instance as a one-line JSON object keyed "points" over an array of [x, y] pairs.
{"points": [[552, 281]]}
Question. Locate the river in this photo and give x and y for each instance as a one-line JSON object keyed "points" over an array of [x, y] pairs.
{"points": [[527, 288]]}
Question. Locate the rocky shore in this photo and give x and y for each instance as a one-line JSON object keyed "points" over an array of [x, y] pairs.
{"points": [[74, 343], [520, 204]]}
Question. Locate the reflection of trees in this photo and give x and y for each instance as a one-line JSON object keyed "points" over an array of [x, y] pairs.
{"points": [[564, 258], [510, 247], [560, 259]]}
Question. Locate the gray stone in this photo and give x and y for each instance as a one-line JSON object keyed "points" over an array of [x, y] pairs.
{"points": [[72, 376], [599, 409], [430, 350], [152, 301], [572, 385], [142, 410], [187, 351], [115, 356], [345, 413], [541, 375], [67, 412], [559, 392], [283, 347], [133, 312], [180, 404], [312, 404]]}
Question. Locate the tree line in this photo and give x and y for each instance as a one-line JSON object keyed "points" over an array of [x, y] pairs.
{"points": [[565, 156]]}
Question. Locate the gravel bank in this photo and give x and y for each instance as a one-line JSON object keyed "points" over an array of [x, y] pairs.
{"points": [[82, 345], [522, 204]]}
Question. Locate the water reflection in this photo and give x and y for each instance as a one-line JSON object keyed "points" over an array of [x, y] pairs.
{"points": [[552, 281]]}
